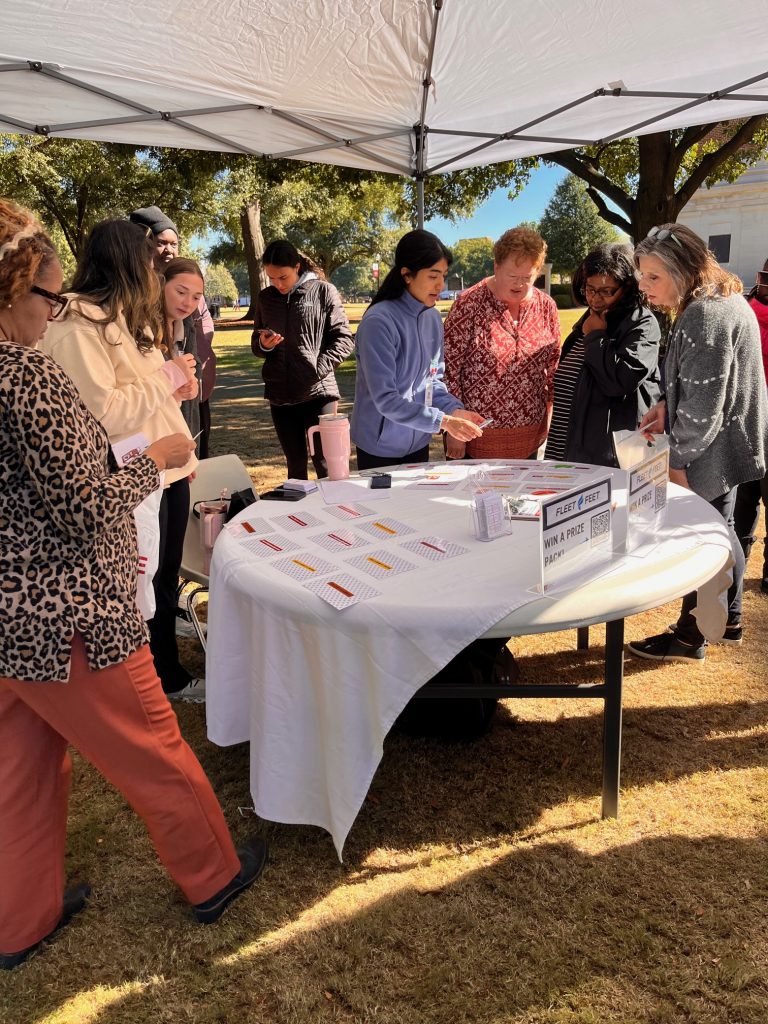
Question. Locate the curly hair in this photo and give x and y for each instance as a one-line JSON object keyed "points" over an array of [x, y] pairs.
{"points": [[607, 260], [115, 272], [686, 258], [521, 244], [25, 251]]}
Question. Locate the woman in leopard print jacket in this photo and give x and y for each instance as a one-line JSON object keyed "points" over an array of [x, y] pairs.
{"points": [[75, 667]]}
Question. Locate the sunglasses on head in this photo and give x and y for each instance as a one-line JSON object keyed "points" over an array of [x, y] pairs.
{"points": [[661, 234]]}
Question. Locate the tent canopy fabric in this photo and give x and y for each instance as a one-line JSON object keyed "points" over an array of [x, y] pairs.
{"points": [[406, 86]]}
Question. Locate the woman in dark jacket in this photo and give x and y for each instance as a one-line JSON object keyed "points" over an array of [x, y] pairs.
{"points": [[302, 331], [608, 375]]}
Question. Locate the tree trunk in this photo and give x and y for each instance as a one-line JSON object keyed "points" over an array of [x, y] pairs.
{"points": [[253, 243], [656, 202]]}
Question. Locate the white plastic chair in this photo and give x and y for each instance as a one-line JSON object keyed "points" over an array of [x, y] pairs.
{"points": [[213, 475]]}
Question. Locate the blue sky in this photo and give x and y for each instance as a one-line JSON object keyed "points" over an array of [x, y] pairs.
{"points": [[498, 213]]}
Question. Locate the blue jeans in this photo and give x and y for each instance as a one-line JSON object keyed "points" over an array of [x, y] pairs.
{"points": [[686, 627]]}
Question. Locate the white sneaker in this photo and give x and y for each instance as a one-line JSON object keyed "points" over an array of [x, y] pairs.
{"points": [[193, 692]]}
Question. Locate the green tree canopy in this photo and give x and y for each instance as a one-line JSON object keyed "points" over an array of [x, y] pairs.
{"points": [[472, 261], [571, 226], [219, 283], [73, 184], [651, 178]]}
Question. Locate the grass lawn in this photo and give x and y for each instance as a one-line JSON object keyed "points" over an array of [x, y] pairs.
{"points": [[480, 885]]}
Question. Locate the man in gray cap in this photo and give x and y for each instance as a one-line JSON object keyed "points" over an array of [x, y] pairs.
{"points": [[165, 232]]}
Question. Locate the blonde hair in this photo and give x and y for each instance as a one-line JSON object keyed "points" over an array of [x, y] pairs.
{"points": [[521, 244], [691, 265], [25, 250]]}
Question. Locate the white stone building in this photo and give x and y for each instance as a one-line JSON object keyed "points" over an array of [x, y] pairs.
{"points": [[733, 220]]}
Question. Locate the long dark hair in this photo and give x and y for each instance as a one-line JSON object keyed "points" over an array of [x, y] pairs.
{"points": [[282, 253], [608, 260], [415, 251], [115, 271]]}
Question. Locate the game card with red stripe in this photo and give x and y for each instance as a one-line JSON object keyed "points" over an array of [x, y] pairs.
{"points": [[435, 548], [268, 546], [341, 590], [297, 521]]}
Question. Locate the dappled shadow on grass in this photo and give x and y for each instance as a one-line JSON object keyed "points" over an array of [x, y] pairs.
{"points": [[651, 931]]}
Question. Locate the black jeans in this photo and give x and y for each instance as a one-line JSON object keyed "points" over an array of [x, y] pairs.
{"points": [[746, 516], [291, 425], [367, 461], [174, 511], [686, 627]]}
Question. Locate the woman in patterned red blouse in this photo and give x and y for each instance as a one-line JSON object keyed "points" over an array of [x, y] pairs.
{"points": [[502, 343]]}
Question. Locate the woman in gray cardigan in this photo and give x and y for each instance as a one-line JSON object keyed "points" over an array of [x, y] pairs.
{"points": [[715, 401]]}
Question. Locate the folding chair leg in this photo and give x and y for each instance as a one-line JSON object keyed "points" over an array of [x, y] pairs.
{"points": [[192, 614]]}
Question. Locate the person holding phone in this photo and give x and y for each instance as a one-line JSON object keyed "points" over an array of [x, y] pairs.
{"points": [[401, 400], [110, 341], [502, 343], [302, 333]]}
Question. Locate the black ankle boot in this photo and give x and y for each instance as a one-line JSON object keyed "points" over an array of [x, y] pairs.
{"points": [[74, 901]]}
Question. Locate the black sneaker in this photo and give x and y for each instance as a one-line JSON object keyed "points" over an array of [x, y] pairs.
{"points": [[253, 857], [74, 901], [667, 647], [733, 635]]}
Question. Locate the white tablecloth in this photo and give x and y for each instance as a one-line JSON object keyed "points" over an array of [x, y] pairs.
{"points": [[316, 690]]}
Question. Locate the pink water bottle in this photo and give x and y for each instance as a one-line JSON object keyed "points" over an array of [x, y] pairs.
{"points": [[334, 437], [212, 517]]}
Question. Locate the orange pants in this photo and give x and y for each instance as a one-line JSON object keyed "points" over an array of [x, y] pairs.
{"points": [[120, 720]]}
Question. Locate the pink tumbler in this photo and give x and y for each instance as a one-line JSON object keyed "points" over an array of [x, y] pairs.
{"points": [[212, 517], [334, 438]]}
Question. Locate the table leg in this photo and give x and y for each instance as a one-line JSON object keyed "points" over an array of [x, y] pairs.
{"points": [[582, 638], [614, 675]]}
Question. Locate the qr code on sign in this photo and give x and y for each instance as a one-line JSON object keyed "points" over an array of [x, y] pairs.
{"points": [[659, 496], [600, 525]]}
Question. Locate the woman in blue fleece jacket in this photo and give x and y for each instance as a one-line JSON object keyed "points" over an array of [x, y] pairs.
{"points": [[400, 397]]}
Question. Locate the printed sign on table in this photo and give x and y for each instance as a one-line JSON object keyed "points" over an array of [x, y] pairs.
{"points": [[576, 536], [647, 496]]}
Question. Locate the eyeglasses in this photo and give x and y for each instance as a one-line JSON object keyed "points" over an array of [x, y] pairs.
{"points": [[519, 279], [762, 279], [604, 293], [661, 234], [57, 302]]}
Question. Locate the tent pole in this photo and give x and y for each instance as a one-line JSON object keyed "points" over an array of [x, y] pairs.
{"points": [[420, 203]]}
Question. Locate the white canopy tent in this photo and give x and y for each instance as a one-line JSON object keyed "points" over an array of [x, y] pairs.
{"points": [[414, 87]]}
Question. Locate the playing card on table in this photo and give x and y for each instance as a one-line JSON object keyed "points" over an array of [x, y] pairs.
{"points": [[247, 529], [341, 590], [267, 547], [354, 510], [302, 565], [339, 540], [381, 564], [386, 529], [435, 548], [297, 521]]}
